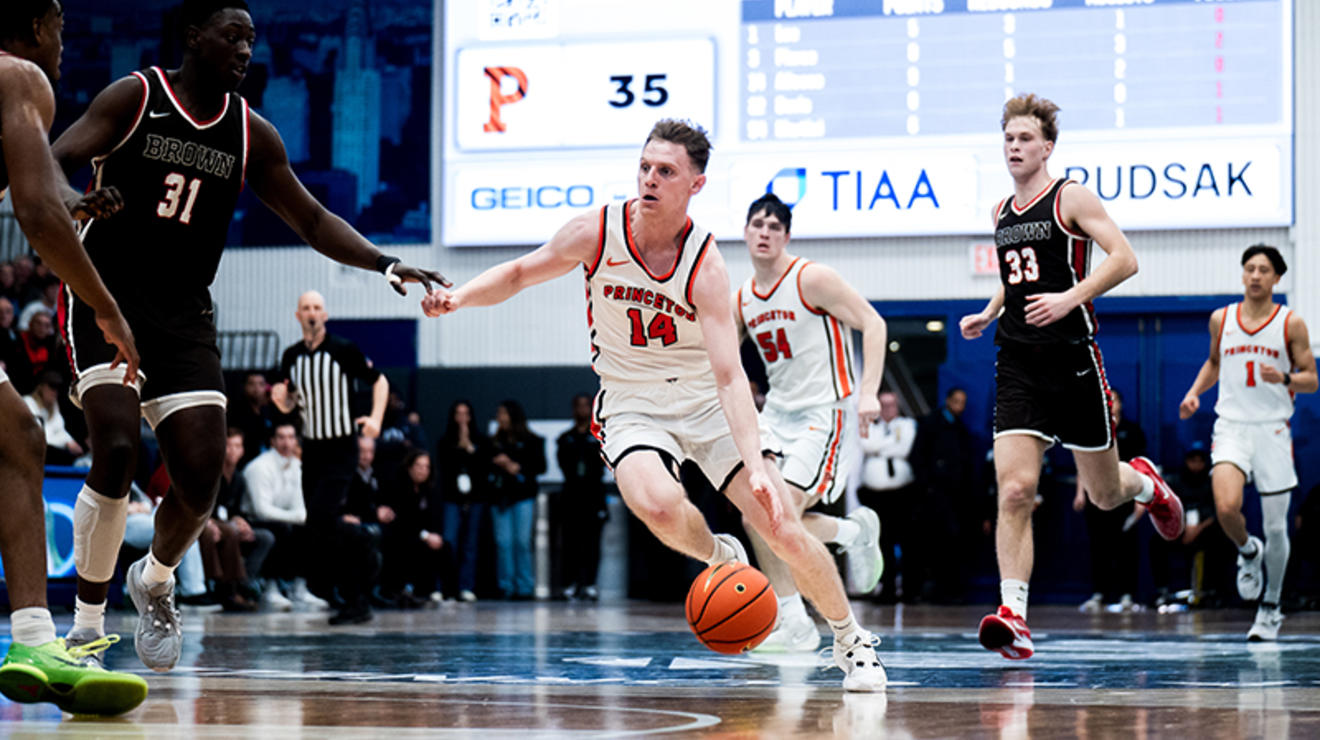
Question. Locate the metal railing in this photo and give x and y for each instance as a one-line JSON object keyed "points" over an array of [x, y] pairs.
{"points": [[249, 350]]}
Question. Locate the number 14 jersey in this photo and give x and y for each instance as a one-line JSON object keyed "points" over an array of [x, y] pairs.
{"points": [[180, 179], [643, 325]]}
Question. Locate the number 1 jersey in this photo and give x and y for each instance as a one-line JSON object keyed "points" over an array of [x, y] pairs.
{"points": [[1243, 396], [643, 325], [180, 179]]}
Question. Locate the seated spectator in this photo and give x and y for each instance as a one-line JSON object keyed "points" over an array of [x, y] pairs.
{"points": [[25, 288], [13, 355], [43, 402], [7, 290], [517, 458], [254, 415], [354, 559], [40, 344], [412, 543], [464, 467], [140, 529], [366, 508], [232, 550], [48, 302], [275, 502]]}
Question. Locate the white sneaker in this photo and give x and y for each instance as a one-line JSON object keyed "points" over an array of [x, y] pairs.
{"points": [[865, 562], [306, 598], [740, 553], [794, 634], [1093, 605], [862, 669], [273, 600], [466, 595], [1250, 576], [1266, 628]]}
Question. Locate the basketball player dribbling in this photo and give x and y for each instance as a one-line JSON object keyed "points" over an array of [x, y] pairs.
{"points": [[672, 383], [179, 146], [39, 667], [1050, 378], [1260, 355], [801, 315]]}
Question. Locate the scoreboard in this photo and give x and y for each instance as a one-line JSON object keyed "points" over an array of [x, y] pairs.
{"points": [[869, 117]]}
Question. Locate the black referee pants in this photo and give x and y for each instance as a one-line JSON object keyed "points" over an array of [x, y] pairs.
{"points": [[327, 471]]}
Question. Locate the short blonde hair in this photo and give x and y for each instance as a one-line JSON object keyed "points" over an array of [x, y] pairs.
{"points": [[1041, 109], [686, 134]]}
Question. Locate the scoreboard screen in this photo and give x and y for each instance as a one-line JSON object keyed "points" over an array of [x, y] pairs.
{"points": [[869, 117]]}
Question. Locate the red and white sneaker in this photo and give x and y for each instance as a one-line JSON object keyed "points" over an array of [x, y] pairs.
{"points": [[1166, 509], [1006, 633]]}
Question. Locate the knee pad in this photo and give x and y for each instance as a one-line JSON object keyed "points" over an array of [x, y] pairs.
{"points": [[98, 531]]}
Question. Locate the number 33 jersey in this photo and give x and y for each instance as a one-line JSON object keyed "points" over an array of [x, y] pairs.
{"points": [[1243, 395], [180, 179], [643, 325], [807, 352], [1039, 254]]}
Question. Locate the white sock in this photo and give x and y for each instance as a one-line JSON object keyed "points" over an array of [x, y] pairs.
{"points": [[1248, 550], [32, 626], [1274, 511], [844, 628], [89, 616], [1147, 490], [1013, 594], [848, 531], [792, 606], [156, 572]]}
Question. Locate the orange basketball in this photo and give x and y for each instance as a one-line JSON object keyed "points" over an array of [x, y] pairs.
{"points": [[731, 607]]}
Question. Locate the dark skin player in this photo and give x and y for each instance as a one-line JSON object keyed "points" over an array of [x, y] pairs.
{"points": [[192, 440]]}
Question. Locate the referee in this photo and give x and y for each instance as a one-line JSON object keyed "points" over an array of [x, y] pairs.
{"points": [[319, 373]]}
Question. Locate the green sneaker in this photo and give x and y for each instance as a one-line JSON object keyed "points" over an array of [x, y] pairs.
{"points": [[56, 674]]}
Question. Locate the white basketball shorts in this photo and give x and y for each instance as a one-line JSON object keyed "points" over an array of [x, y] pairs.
{"points": [[1263, 451]]}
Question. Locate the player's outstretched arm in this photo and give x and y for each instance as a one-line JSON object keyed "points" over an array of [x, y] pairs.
{"points": [[576, 243], [1082, 211], [27, 107], [1208, 375], [275, 183], [710, 296], [973, 325], [825, 289], [1303, 377]]}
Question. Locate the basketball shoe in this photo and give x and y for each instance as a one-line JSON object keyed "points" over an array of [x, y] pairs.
{"points": [[1266, 628], [865, 562], [1166, 509], [855, 656], [731, 543], [795, 633], [89, 646], [1250, 575], [57, 674], [1006, 633], [159, 635]]}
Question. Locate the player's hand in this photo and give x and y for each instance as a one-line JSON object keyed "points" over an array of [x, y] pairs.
{"points": [[868, 410], [764, 491], [1190, 405], [99, 203], [116, 332], [434, 541], [279, 394], [1079, 501], [370, 427], [384, 514], [1044, 309], [244, 529], [1270, 374], [400, 274], [439, 303], [350, 519], [213, 529], [973, 324]]}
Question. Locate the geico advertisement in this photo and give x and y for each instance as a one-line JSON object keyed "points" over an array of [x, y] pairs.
{"points": [[1149, 185]]}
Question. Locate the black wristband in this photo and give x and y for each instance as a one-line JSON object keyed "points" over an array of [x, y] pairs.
{"points": [[384, 261], [1287, 378]]}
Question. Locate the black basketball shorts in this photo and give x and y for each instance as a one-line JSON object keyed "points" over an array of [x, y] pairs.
{"points": [[1057, 392], [180, 360]]}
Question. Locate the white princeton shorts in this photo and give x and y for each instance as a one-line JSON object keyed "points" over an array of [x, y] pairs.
{"points": [[681, 419], [3, 377], [815, 447], [1263, 451]]}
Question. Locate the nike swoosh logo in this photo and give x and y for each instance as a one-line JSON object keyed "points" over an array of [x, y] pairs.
{"points": [[813, 429], [612, 263], [161, 114], [1081, 373]]}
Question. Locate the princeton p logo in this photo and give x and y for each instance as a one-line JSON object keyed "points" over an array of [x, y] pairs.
{"points": [[497, 97], [790, 184]]}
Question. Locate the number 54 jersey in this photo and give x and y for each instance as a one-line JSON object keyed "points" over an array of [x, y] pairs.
{"points": [[643, 325], [180, 179]]}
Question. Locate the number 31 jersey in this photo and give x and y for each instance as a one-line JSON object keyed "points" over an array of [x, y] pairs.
{"points": [[1243, 396], [807, 352], [1039, 254], [643, 325], [180, 179]]}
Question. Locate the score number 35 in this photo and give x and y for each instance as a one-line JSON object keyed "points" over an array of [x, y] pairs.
{"points": [[653, 93]]}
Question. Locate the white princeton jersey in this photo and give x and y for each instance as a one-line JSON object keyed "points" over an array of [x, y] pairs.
{"points": [[1243, 396], [807, 352], [643, 325]]}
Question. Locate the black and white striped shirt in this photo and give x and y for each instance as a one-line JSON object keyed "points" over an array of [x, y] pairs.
{"points": [[324, 378]]}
